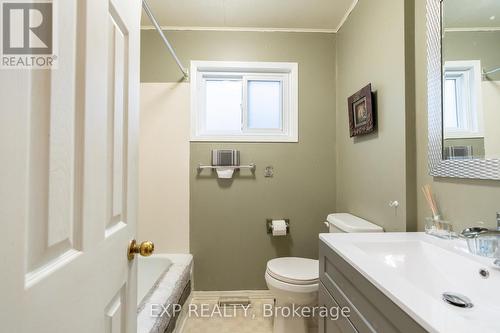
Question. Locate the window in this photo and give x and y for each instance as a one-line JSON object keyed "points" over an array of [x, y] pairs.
{"points": [[462, 115], [235, 101]]}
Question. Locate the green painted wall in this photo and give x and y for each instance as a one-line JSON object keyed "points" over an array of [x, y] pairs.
{"points": [[474, 45], [375, 45], [227, 229]]}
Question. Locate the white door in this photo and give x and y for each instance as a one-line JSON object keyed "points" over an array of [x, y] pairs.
{"points": [[68, 177]]}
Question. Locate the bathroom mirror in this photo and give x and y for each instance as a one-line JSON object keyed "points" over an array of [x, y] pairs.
{"points": [[463, 38]]}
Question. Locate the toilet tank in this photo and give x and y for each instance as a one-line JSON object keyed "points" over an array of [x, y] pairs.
{"points": [[343, 222]]}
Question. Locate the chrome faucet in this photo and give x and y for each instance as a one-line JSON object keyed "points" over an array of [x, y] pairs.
{"points": [[497, 261], [483, 242]]}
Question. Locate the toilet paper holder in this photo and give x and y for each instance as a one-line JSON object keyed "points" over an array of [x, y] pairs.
{"points": [[269, 225]]}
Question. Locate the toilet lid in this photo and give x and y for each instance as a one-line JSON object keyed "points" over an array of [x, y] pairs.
{"points": [[294, 270]]}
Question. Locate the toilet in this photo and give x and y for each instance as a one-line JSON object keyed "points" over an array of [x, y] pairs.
{"points": [[293, 281]]}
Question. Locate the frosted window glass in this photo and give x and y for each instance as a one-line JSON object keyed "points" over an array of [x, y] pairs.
{"points": [[264, 104], [451, 117], [223, 105]]}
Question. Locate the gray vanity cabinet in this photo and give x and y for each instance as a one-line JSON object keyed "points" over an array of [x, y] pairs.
{"points": [[370, 310], [341, 325]]}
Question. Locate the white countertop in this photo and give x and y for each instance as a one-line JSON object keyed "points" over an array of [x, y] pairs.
{"points": [[414, 269]]}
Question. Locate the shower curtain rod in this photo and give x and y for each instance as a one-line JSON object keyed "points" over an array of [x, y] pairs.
{"points": [[153, 20], [491, 71]]}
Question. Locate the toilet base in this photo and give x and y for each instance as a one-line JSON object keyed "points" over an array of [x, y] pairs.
{"points": [[284, 323]]}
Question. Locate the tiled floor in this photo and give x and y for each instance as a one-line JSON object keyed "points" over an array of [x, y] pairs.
{"points": [[232, 321]]}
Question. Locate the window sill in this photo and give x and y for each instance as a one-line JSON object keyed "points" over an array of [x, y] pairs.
{"points": [[249, 138]]}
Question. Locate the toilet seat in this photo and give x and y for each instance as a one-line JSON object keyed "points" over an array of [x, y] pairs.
{"points": [[294, 271]]}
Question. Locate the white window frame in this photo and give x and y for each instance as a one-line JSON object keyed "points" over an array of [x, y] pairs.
{"points": [[285, 72], [468, 73]]}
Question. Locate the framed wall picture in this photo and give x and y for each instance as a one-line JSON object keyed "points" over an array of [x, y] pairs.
{"points": [[361, 117]]}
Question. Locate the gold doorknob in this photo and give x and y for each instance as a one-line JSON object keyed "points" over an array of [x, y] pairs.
{"points": [[145, 249]]}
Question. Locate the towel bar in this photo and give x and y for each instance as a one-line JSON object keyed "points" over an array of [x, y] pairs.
{"points": [[251, 166]]}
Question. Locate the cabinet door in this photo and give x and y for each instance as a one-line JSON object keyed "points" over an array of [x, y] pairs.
{"points": [[330, 325]]}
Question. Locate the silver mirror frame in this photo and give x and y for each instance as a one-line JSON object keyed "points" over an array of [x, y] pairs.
{"points": [[470, 169]]}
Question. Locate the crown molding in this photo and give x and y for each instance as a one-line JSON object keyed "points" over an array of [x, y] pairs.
{"points": [[239, 29], [258, 29], [344, 19]]}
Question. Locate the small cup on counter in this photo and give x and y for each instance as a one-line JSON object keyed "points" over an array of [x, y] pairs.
{"points": [[439, 228]]}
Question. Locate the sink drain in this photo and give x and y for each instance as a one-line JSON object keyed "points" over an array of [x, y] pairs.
{"points": [[484, 273], [457, 300]]}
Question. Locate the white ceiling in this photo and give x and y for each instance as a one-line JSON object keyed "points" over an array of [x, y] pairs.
{"points": [[471, 13], [314, 15]]}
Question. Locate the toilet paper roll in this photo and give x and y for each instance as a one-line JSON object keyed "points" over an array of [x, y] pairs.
{"points": [[279, 227], [225, 173]]}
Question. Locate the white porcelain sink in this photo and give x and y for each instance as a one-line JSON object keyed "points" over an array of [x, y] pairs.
{"points": [[414, 270]]}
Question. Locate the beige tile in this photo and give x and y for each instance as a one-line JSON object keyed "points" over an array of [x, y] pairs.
{"points": [[254, 322]]}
